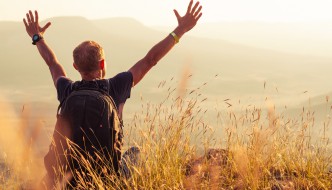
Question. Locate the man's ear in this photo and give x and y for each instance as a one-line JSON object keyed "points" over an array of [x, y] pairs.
{"points": [[102, 64], [75, 66]]}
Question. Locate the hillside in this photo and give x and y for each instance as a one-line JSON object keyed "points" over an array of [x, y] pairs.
{"points": [[311, 38], [242, 70]]}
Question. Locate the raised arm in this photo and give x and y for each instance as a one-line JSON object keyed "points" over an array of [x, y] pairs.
{"points": [[34, 30], [185, 23]]}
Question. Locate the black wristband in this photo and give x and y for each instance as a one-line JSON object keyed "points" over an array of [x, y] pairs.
{"points": [[36, 38]]}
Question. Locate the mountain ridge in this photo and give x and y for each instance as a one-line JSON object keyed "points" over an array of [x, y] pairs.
{"points": [[127, 42]]}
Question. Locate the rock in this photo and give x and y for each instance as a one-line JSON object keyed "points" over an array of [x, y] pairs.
{"points": [[206, 168]]}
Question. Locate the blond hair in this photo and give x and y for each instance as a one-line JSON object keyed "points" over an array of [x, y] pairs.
{"points": [[87, 56]]}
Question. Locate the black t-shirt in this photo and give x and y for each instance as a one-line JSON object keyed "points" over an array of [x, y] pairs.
{"points": [[120, 87]]}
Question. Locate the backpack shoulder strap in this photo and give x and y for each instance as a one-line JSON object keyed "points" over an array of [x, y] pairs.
{"points": [[73, 87], [116, 108]]}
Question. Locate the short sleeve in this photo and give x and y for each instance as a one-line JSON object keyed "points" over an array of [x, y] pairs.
{"points": [[63, 87], [120, 87]]}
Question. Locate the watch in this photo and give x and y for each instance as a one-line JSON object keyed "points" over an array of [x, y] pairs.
{"points": [[36, 38]]}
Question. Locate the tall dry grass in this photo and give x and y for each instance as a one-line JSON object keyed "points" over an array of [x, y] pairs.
{"points": [[267, 150], [259, 148], [19, 165]]}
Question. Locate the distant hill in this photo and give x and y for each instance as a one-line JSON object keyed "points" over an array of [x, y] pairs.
{"points": [[242, 69], [312, 38]]}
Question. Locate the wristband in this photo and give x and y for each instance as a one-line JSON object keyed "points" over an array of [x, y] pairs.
{"points": [[176, 38], [36, 38]]}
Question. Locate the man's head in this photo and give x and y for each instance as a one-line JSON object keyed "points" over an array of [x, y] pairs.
{"points": [[89, 59]]}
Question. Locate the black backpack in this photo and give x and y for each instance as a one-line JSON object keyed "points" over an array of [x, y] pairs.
{"points": [[88, 117]]}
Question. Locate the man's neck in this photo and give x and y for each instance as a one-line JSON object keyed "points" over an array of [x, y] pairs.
{"points": [[91, 76]]}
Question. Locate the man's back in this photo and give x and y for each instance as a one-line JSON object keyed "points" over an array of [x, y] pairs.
{"points": [[89, 119], [119, 90]]}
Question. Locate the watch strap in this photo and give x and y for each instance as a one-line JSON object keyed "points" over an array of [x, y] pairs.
{"points": [[36, 38]]}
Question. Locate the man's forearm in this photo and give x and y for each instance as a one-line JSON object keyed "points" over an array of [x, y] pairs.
{"points": [[185, 23], [163, 47], [50, 59], [154, 55], [46, 53]]}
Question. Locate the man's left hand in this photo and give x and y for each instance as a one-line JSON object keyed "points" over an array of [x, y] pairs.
{"points": [[32, 25]]}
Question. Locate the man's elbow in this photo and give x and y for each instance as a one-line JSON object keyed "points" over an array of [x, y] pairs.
{"points": [[151, 60], [51, 62]]}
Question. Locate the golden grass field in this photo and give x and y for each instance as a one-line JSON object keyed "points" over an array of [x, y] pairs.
{"points": [[258, 148]]}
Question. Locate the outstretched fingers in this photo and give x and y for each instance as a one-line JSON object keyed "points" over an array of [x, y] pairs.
{"points": [[189, 6], [177, 14], [28, 18], [43, 29], [31, 16], [198, 12], [36, 16], [199, 16], [31, 23], [25, 23], [193, 10]]}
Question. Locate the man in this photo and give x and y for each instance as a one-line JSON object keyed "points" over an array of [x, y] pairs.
{"points": [[89, 59]]}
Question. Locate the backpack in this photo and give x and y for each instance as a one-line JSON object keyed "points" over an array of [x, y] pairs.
{"points": [[87, 117]]}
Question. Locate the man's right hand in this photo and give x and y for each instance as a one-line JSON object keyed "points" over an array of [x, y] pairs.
{"points": [[189, 20], [185, 23], [32, 25]]}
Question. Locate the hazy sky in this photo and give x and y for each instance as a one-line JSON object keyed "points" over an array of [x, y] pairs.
{"points": [[159, 12]]}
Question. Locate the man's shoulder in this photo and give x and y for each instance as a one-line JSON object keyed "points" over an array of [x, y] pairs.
{"points": [[63, 80], [122, 77], [62, 87], [120, 86]]}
